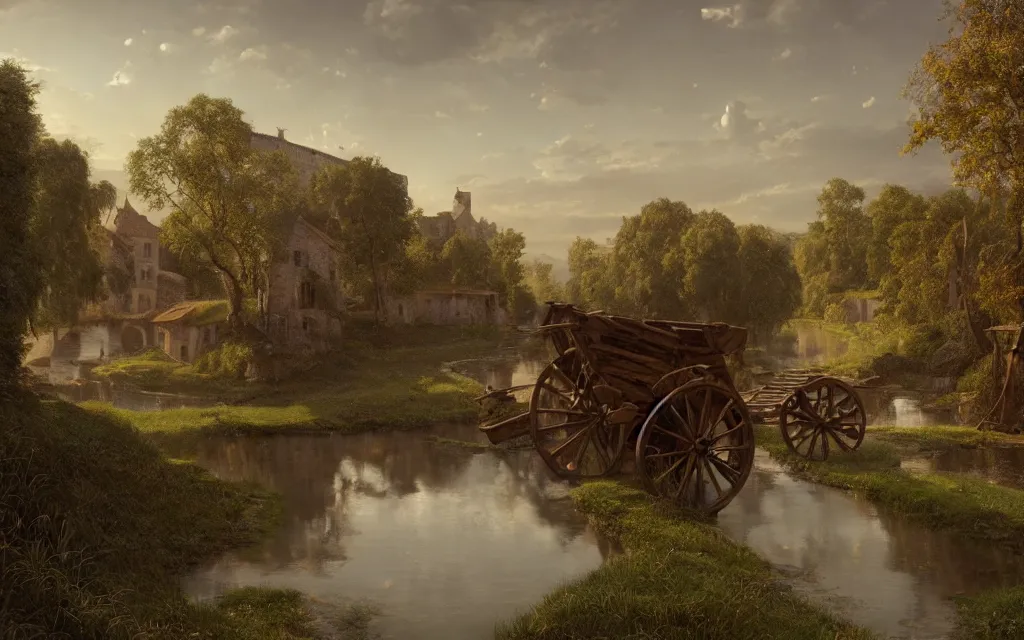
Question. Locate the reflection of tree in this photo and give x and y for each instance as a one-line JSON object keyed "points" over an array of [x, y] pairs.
{"points": [[1003, 465], [320, 478]]}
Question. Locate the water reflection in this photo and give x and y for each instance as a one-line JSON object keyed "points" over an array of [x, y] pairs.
{"points": [[445, 541], [1000, 465], [875, 568]]}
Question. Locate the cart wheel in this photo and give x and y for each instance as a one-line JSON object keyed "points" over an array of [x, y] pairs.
{"points": [[697, 446], [823, 409], [575, 435]]}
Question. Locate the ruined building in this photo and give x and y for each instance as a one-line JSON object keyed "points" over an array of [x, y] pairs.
{"points": [[305, 160], [441, 227]]}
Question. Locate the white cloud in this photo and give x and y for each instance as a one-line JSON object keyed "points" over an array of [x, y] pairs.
{"points": [[736, 124], [23, 62], [786, 53], [733, 14], [817, 98], [121, 76], [165, 47], [219, 65], [198, 31], [867, 104], [479, 108], [128, 42], [253, 53], [441, 114], [226, 33], [479, 134]]}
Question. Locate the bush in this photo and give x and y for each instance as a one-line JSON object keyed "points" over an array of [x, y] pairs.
{"points": [[229, 360], [836, 313]]}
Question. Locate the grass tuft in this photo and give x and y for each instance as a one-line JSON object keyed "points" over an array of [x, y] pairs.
{"points": [[679, 579], [995, 615]]}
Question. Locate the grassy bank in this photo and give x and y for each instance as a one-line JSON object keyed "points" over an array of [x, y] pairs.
{"points": [[153, 370], [963, 504], [678, 579], [400, 385], [996, 615], [98, 528], [943, 437]]}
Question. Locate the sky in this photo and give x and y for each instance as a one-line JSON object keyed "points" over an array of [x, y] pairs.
{"points": [[560, 116]]}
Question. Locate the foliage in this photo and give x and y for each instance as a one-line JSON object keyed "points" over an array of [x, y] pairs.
{"points": [[506, 248], [230, 204], [65, 213], [467, 261], [369, 211], [20, 278], [835, 313], [542, 283], [669, 262], [104, 198], [229, 359]]}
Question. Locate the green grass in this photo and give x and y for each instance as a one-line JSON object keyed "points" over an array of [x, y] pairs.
{"points": [[476, 447], [995, 615], [943, 437], [963, 504], [98, 528], [679, 579], [397, 388], [153, 370]]}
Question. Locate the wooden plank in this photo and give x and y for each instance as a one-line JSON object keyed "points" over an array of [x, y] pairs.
{"points": [[515, 427]]}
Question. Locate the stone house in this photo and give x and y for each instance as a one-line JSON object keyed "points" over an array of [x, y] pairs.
{"points": [[302, 305], [189, 329], [306, 160], [446, 307], [152, 288], [441, 227]]}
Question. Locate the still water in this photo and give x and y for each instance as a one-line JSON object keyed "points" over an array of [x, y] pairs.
{"points": [[444, 541], [998, 465], [868, 565]]}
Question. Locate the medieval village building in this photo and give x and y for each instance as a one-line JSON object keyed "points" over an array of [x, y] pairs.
{"points": [[440, 227]]}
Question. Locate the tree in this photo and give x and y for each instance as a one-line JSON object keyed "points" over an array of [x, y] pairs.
{"points": [[893, 206], [369, 207], [467, 261], [770, 285], [104, 198], [231, 206], [65, 212], [541, 282], [20, 280], [506, 256], [710, 270], [591, 284], [847, 232]]}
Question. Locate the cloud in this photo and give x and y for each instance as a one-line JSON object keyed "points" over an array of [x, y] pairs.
{"points": [[476, 107], [128, 42], [736, 124], [733, 15], [165, 47], [121, 76], [441, 114], [817, 98], [775, 13], [784, 54], [198, 31], [252, 54], [23, 62], [867, 104], [226, 33]]}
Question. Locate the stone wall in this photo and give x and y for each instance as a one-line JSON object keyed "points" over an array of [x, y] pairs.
{"points": [[446, 308]]}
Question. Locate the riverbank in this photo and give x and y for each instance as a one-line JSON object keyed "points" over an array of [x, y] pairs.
{"points": [[678, 579], [98, 528], [926, 439], [966, 505], [401, 385]]}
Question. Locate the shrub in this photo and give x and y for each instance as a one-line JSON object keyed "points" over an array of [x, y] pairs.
{"points": [[230, 359]]}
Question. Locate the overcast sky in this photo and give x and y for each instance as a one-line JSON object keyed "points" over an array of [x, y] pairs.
{"points": [[559, 115]]}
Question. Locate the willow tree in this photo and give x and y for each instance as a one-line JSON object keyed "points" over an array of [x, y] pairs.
{"points": [[231, 205], [20, 127]]}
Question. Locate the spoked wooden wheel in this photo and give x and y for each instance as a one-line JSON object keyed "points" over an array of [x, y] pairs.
{"points": [[576, 434], [824, 412], [697, 446]]}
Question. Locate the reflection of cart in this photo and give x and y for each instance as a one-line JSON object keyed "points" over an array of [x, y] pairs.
{"points": [[659, 387]]}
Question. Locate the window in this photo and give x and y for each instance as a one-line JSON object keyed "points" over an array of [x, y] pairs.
{"points": [[297, 258], [147, 250], [307, 295]]}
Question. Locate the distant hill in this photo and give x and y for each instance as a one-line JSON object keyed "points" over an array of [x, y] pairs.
{"points": [[559, 267]]}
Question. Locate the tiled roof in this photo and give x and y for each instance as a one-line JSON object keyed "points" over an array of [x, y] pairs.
{"points": [[130, 223]]}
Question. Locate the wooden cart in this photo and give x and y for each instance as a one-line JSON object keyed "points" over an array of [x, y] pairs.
{"points": [[663, 390]]}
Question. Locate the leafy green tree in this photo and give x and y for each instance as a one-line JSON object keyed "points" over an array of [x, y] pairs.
{"points": [[506, 248], [418, 268], [891, 208], [648, 260], [811, 258], [64, 214], [847, 231], [541, 281], [231, 206], [770, 285], [20, 278], [591, 284], [711, 273], [370, 209], [467, 261]]}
